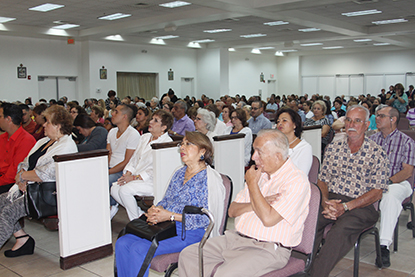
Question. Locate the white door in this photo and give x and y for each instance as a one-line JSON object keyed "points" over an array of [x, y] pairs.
{"points": [[52, 87], [187, 88]]}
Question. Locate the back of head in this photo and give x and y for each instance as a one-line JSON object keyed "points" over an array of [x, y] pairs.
{"points": [[202, 142], [14, 111], [214, 109], [84, 121], [278, 139]]}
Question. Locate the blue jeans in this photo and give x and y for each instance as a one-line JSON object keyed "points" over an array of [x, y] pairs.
{"points": [[113, 178]]}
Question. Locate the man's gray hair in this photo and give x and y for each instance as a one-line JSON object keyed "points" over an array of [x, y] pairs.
{"points": [[367, 115], [208, 117], [392, 113], [155, 100], [279, 140], [182, 104]]}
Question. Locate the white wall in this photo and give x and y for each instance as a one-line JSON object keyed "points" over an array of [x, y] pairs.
{"points": [[244, 72], [288, 75], [208, 71]]}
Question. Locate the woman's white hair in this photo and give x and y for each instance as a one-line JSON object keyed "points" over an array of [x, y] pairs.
{"points": [[208, 117]]}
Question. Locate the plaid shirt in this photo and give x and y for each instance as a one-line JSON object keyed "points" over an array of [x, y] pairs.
{"points": [[354, 174], [400, 149]]}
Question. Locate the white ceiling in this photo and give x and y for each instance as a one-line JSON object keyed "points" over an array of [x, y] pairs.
{"points": [[149, 20]]}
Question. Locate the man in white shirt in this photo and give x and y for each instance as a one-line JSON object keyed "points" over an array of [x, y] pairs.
{"points": [[121, 142]]}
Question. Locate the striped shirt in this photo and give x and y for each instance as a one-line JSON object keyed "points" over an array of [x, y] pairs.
{"points": [[292, 205], [410, 115], [400, 149]]}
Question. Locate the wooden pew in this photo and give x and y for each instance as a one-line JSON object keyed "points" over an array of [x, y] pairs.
{"points": [[83, 207], [312, 134]]}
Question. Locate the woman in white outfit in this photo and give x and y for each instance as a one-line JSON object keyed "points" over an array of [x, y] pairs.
{"points": [[137, 178], [300, 152], [238, 118]]}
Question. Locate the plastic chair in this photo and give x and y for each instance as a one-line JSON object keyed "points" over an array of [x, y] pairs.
{"points": [[305, 248], [169, 262], [314, 170], [406, 204]]}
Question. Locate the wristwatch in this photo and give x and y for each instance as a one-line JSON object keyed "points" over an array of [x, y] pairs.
{"points": [[172, 217], [345, 207]]}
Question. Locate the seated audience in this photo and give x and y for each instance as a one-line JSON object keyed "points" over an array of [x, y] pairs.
{"points": [[220, 126], [401, 151], [137, 178], [38, 166], [196, 183], [27, 123], [399, 99], [258, 121], [40, 121], [300, 152], [15, 143], [143, 118], [95, 136], [338, 109], [226, 115], [121, 142], [154, 104], [112, 97], [307, 109], [372, 118], [168, 106], [410, 115], [272, 105], [97, 114], [319, 118], [182, 122], [205, 123], [112, 107], [240, 125], [270, 213], [353, 176]]}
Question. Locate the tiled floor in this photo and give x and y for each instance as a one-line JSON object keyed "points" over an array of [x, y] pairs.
{"points": [[45, 260]]}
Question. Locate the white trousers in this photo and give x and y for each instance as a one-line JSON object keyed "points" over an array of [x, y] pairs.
{"points": [[124, 195], [390, 210]]}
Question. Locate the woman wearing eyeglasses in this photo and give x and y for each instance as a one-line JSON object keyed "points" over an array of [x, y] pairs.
{"points": [[205, 122], [197, 184]]}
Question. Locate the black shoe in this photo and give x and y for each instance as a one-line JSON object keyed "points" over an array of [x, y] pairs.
{"points": [[385, 256], [26, 249], [410, 225]]}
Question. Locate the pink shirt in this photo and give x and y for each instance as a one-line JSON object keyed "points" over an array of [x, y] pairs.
{"points": [[294, 187]]}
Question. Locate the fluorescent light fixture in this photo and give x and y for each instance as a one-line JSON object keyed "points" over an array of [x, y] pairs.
{"points": [[46, 7], [333, 47], [204, 40], [362, 40], [167, 37], [256, 51], [157, 41], [289, 50], [3, 28], [381, 44], [253, 35], [312, 44], [367, 12], [276, 23], [279, 54], [217, 31], [114, 16], [115, 38], [174, 4], [231, 49], [266, 48], [390, 21], [309, 30], [194, 45], [6, 19], [57, 32], [65, 26]]}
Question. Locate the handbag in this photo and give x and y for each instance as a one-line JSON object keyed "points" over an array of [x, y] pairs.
{"points": [[153, 233], [40, 199]]}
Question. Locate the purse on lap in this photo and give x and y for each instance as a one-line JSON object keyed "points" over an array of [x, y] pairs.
{"points": [[40, 199]]}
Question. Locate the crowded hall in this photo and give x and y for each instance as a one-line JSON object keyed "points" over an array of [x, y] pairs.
{"points": [[207, 138]]}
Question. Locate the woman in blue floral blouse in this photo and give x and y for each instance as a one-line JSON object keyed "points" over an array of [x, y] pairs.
{"points": [[197, 184]]}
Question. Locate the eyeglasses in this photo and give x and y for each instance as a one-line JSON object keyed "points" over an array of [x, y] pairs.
{"points": [[381, 115], [356, 121], [186, 144], [254, 108], [197, 118], [234, 117]]}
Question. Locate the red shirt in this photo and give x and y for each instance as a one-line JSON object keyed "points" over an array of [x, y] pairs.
{"points": [[13, 150], [31, 127]]}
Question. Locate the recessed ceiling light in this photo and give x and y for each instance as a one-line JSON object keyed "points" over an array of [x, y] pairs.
{"points": [[312, 44], [367, 12], [194, 45], [289, 50], [6, 19], [253, 36], [231, 49], [333, 47], [167, 37], [203, 40], [266, 48], [115, 37], [390, 21], [217, 31], [114, 16], [381, 44], [309, 30], [46, 7], [362, 40], [276, 23], [157, 41], [256, 51], [279, 53], [174, 4], [65, 26]]}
